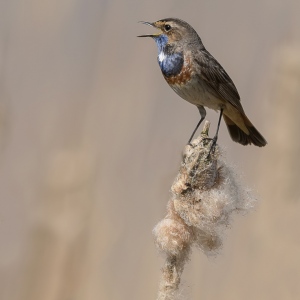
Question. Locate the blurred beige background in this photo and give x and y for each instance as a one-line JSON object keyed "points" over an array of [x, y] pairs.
{"points": [[91, 139]]}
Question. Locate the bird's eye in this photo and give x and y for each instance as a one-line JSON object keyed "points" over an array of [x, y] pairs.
{"points": [[167, 27]]}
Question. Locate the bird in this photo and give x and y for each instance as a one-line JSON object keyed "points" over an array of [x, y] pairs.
{"points": [[197, 77]]}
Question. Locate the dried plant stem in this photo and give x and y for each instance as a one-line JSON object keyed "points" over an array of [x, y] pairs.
{"points": [[171, 274], [204, 194]]}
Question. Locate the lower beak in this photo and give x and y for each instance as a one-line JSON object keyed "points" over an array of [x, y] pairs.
{"points": [[146, 35]]}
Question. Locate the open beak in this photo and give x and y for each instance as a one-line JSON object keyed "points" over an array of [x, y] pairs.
{"points": [[148, 35]]}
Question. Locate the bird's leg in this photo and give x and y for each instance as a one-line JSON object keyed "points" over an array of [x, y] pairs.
{"points": [[202, 112], [215, 138]]}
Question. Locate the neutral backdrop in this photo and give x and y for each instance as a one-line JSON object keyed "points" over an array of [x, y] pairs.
{"points": [[91, 139]]}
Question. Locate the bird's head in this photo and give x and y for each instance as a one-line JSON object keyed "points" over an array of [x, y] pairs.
{"points": [[172, 32]]}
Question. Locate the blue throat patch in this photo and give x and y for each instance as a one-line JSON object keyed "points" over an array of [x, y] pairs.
{"points": [[161, 42], [172, 63]]}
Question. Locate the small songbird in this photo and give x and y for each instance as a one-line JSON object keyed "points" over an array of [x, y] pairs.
{"points": [[196, 76]]}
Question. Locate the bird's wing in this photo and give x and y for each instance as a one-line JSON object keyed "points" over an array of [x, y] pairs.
{"points": [[217, 79]]}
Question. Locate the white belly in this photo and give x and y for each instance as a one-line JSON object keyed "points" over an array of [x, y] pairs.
{"points": [[198, 94]]}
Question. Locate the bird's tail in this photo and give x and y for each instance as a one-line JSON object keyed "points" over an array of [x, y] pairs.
{"points": [[239, 136]]}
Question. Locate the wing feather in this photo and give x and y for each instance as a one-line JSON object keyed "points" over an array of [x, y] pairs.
{"points": [[217, 79]]}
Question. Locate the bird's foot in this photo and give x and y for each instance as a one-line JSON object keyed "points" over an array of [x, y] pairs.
{"points": [[213, 145]]}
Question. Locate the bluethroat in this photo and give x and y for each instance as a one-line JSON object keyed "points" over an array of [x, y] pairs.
{"points": [[196, 76]]}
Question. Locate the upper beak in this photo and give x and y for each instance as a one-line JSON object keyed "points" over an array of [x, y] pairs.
{"points": [[148, 35]]}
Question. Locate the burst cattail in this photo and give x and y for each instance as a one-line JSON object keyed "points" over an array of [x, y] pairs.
{"points": [[204, 195]]}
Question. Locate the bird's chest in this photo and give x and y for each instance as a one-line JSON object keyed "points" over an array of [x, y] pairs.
{"points": [[170, 64], [187, 84], [175, 67]]}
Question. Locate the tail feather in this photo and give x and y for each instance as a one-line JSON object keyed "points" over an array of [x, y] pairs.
{"points": [[239, 136]]}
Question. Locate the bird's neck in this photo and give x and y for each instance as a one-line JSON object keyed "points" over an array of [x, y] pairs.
{"points": [[169, 60], [161, 42]]}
